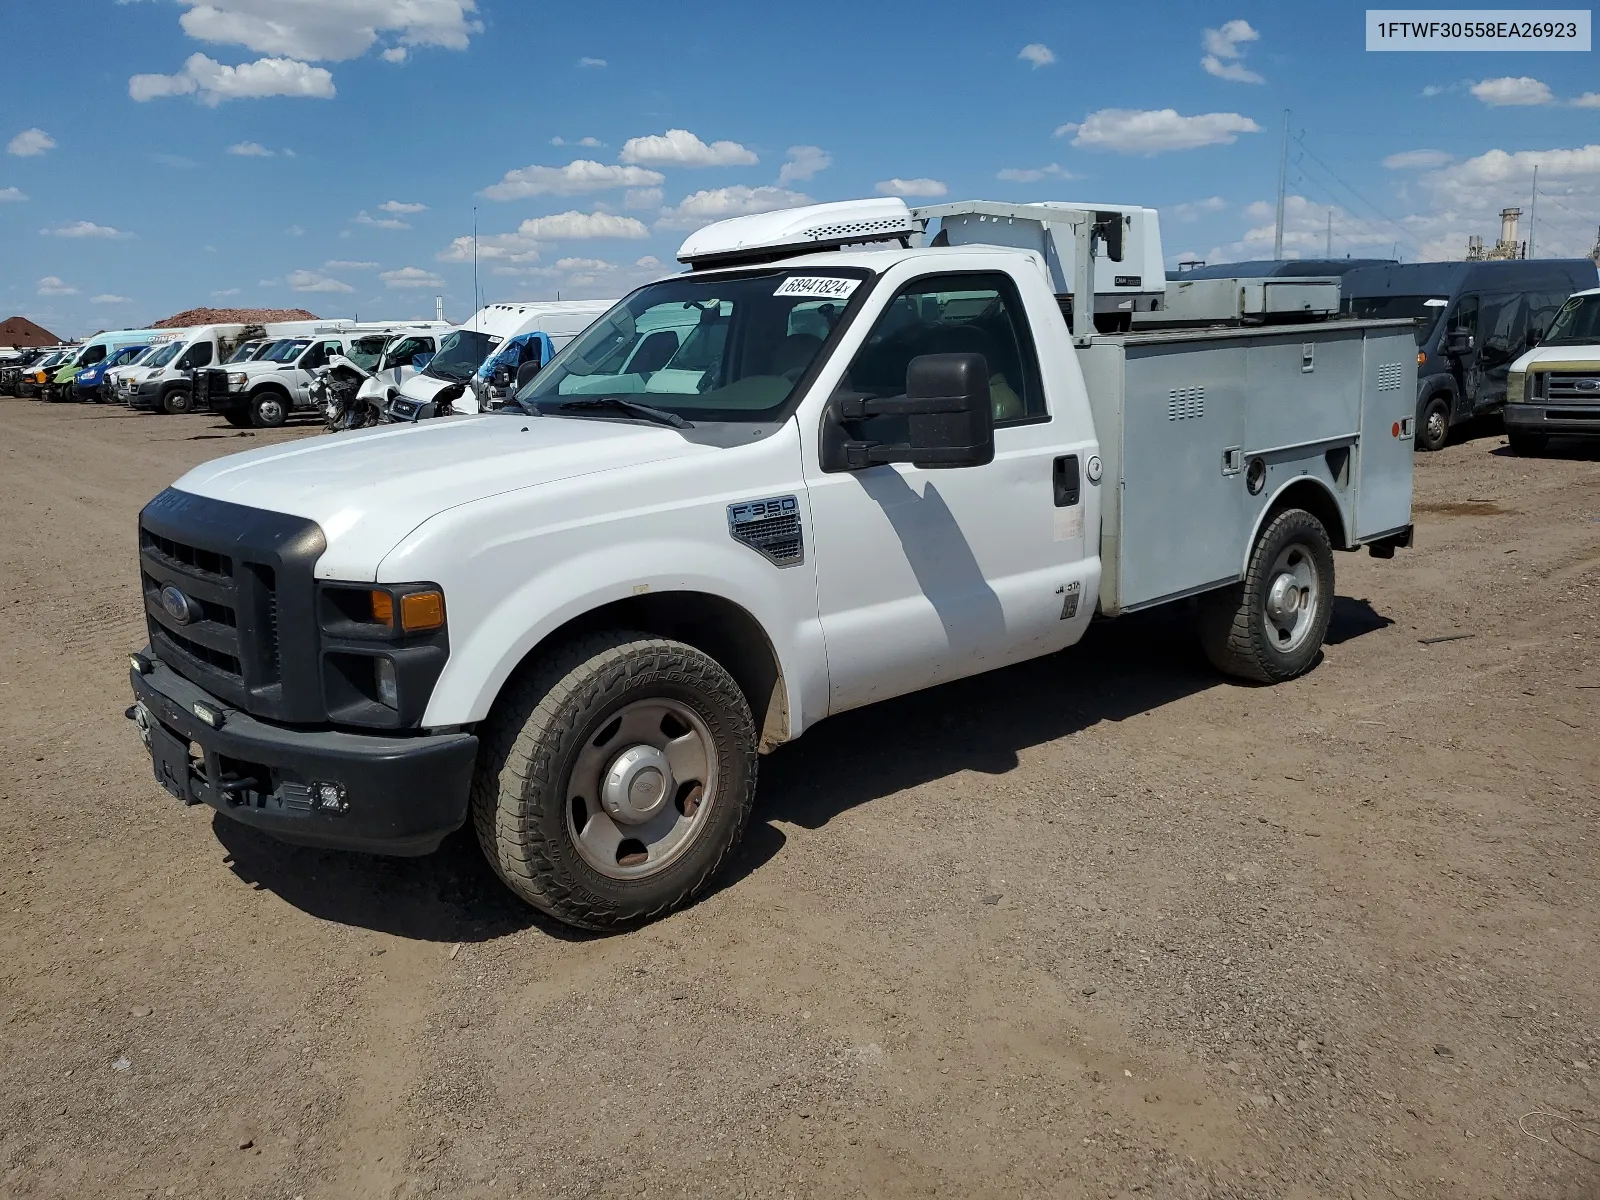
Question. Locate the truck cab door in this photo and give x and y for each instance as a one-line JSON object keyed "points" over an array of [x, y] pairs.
{"points": [[929, 575], [1503, 335], [1463, 320]]}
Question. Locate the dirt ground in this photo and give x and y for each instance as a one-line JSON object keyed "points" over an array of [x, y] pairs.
{"points": [[1101, 925]]}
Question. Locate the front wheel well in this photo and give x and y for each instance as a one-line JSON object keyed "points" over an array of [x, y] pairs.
{"points": [[712, 624]]}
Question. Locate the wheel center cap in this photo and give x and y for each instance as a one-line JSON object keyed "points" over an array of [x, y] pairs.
{"points": [[637, 785], [1284, 598]]}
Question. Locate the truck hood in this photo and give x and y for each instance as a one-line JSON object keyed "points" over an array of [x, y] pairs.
{"points": [[1576, 356], [369, 489]]}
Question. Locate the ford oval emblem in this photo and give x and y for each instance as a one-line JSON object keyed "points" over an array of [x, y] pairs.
{"points": [[178, 606], [1588, 385]]}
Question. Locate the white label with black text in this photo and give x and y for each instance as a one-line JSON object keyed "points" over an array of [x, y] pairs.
{"points": [[824, 287]]}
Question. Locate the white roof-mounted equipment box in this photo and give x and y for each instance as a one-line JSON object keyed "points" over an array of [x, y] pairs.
{"points": [[1129, 275], [767, 237], [1247, 300]]}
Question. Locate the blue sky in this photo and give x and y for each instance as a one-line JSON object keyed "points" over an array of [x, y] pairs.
{"points": [[162, 154]]}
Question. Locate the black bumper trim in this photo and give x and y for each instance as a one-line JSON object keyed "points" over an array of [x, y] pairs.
{"points": [[404, 795], [1558, 419]]}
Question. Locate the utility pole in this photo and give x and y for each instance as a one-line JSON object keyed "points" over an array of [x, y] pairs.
{"points": [[1533, 211], [1330, 235], [477, 299], [1283, 176]]}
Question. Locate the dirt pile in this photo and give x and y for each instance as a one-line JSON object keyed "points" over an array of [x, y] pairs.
{"points": [[192, 317]]}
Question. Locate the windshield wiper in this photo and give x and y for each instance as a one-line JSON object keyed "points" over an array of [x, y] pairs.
{"points": [[659, 415]]}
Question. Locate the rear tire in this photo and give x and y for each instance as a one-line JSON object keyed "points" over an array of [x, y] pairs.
{"points": [[268, 410], [1269, 627], [1433, 430], [569, 750], [1527, 445]]}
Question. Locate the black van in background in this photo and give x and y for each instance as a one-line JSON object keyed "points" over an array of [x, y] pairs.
{"points": [[1474, 319]]}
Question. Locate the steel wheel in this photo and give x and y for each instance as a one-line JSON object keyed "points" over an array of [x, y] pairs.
{"points": [[1292, 599], [269, 411], [641, 789]]}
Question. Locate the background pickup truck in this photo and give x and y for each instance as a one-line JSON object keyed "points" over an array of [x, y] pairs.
{"points": [[847, 475]]}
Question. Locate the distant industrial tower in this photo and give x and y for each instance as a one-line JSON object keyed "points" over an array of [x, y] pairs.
{"points": [[1507, 247], [1595, 253]]}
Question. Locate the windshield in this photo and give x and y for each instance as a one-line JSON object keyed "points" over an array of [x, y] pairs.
{"points": [[51, 360], [1424, 310], [164, 355], [1578, 321], [365, 351], [246, 352], [285, 351], [702, 349], [124, 356], [403, 348], [459, 355]]}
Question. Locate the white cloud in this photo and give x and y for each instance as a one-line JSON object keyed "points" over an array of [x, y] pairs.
{"points": [[315, 281], [224, 293], [578, 176], [296, 231], [52, 285], [30, 143], [1038, 54], [365, 218], [1034, 174], [1512, 91], [1435, 89], [85, 229], [395, 54], [590, 142], [649, 262], [680, 148], [10, 194], [1136, 131], [911, 187], [582, 225], [803, 163], [1587, 100], [411, 277], [1193, 210], [586, 61], [251, 150], [399, 206], [1224, 54], [639, 198], [584, 264], [1409, 160], [716, 204], [522, 246], [342, 264], [212, 82], [329, 30], [110, 298]]}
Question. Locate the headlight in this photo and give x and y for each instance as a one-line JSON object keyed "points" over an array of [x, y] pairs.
{"points": [[1516, 387], [237, 379]]}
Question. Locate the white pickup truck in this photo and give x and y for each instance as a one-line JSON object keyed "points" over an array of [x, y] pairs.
{"points": [[865, 465]]}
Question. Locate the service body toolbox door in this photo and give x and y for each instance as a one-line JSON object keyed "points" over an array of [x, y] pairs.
{"points": [[1388, 407]]}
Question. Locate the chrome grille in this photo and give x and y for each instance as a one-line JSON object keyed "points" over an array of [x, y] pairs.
{"points": [[1573, 387]]}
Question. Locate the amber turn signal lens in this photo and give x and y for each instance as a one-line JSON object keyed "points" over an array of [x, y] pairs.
{"points": [[421, 611], [1422, 357], [383, 608]]}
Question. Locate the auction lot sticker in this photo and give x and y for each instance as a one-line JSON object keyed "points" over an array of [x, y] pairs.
{"points": [[824, 287], [1478, 29]]}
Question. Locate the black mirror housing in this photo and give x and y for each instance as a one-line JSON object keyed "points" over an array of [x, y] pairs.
{"points": [[526, 372], [1457, 341], [948, 412]]}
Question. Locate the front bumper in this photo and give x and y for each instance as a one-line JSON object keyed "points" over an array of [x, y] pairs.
{"points": [[1564, 420], [400, 795], [146, 396]]}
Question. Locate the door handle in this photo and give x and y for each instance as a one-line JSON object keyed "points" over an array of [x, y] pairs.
{"points": [[1064, 480]]}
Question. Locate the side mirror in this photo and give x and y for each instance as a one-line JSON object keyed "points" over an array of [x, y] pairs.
{"points": [[1457, 342], [948, 411], [1111, 228], [502, 377], [1535, 336], [526, 372]]}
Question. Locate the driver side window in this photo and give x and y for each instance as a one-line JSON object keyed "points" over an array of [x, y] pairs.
{"points": [[979, 313]]}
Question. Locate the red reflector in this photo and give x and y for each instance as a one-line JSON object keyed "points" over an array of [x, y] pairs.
{"points": [[1396, 430]]}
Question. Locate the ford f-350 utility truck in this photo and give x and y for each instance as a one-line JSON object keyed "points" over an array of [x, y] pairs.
{"points": [[868, 466]]}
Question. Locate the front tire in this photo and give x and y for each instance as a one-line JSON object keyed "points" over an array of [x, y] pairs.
{"points": [[1433, 430], [239, 418], [614, 779], [177, 401], [1270, 626], [1527, 445], [268, 410]]}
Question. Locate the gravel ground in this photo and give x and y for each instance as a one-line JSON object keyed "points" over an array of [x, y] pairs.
{"points": [[1100, 925]]}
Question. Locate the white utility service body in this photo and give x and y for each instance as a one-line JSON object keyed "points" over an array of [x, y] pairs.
{"points": [[821, 578], [560, 320]]}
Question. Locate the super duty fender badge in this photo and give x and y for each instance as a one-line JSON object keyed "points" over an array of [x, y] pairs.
{"points": [[770, 527]]}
